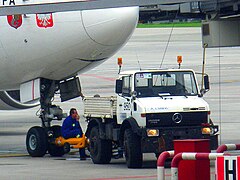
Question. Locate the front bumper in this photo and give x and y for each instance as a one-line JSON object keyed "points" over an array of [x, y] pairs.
{"points": [[166, 137]]}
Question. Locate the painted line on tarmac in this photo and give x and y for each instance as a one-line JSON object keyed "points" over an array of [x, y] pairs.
{"points": [[99, 77], [127, 177], [12, 155]]}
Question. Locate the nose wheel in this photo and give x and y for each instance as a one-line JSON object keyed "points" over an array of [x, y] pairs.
{"points": [[36, 142]]}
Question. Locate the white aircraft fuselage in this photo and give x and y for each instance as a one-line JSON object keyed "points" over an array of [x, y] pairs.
{"points": [[77, 41]]}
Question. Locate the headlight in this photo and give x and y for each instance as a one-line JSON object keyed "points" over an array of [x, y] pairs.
{"points": [[152, 132], [207, 130]]}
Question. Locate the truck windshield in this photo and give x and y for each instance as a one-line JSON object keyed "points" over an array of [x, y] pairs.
{"points": [[154, 84]]}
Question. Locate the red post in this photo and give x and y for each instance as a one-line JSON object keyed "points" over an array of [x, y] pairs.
{"points": [[193, 170]]}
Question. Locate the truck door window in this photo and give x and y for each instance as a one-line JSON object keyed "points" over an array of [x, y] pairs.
{"points": [[190, 84], [126, 89]]}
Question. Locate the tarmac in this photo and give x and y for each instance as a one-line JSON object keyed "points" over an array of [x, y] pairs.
{"points": [[147, 49]]}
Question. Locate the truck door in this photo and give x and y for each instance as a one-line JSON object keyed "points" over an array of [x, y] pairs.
{"points": [[124, 100]]}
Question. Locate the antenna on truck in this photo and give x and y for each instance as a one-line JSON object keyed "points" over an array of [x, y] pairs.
{"points": [[204, 61]]}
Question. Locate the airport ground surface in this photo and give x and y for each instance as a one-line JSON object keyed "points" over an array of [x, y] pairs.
{"points": [[145, 49]]}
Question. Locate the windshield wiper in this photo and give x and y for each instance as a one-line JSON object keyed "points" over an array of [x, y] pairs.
{"points": [[164, 94]]}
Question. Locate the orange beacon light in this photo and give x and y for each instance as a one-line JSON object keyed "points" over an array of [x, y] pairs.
{"points": [[179, 60], [119, 64]]}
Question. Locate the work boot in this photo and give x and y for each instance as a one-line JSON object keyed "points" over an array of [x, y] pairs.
{"points": [[83, 158]]}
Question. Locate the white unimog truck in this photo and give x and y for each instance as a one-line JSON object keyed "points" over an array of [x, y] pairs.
{"points": [[151, 109]]}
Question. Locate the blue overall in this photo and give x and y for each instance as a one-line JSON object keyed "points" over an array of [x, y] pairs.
{"points": [[72, 129]]}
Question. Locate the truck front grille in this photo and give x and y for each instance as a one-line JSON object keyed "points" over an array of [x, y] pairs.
{"points": [[176, 119]]}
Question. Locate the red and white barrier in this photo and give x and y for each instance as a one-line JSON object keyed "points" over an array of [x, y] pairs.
{"points": [[227, 147], [160, 163], [190, 156]]}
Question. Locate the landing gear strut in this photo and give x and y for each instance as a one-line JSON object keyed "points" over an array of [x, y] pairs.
{"points": [[39, 139]]}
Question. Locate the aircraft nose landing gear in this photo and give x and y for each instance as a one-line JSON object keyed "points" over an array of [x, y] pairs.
{"points": [[39, 140]]}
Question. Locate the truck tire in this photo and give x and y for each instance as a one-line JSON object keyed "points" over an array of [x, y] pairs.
{"points": [[54, 150], [36, 141], [132, 149], [100, 150]]}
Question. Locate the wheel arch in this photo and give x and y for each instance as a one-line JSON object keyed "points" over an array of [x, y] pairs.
{"points": [[129, 123], [95, 122]]}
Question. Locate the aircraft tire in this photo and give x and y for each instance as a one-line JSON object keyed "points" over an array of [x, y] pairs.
{"points": [[132, 149], [36, 141], [100, 149], [53, 149]]}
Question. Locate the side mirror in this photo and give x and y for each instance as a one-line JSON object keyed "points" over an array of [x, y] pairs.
{"points": [[118, 87], [206, 85]]}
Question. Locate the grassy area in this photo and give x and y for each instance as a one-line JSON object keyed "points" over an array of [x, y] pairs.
{"points": [[175, 24]]}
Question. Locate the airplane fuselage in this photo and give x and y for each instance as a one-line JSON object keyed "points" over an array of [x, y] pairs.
{"points": [[77, 41]]}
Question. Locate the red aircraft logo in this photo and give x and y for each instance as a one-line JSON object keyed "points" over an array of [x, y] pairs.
{"points": [[44, 20], [15, 20]]}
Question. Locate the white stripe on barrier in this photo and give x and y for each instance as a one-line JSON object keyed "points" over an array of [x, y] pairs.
{"points": [[189, 156], [231, 146], [213, 156], [161, 173], [171, 153]]}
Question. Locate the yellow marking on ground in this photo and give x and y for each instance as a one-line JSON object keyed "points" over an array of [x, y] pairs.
{"points": [[12, 155]]}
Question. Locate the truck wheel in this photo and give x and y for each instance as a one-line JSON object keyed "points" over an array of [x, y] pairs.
{"points": [[54, 150], [100, 150], [132, 148], [36, 141]]}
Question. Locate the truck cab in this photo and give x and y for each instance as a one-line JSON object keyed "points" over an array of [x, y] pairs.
{"points": [[165, 91]]}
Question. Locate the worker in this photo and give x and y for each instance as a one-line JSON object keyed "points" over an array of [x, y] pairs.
{"points": [[71, 129]]}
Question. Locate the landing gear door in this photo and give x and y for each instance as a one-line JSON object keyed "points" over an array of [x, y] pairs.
{"points": [[70, 89], [124, 109]]}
